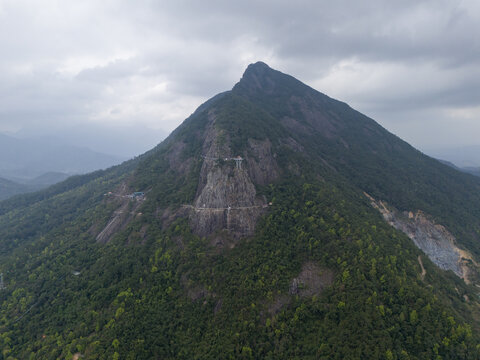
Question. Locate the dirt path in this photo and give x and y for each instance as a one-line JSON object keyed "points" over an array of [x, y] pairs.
{"points": [[424, 272]]}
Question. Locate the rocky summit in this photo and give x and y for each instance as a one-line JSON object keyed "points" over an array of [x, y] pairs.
{"points": [[274, 223]]}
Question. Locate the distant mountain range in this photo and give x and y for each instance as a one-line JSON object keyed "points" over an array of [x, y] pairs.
{"points": [[25, 159], [124, 141], [473, 170], [30, 164], [9, 188], [49, 178], [461, 156]]}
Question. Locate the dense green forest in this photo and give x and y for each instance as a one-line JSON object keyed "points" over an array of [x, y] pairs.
{"points": [[162, 300], [323, 276]]}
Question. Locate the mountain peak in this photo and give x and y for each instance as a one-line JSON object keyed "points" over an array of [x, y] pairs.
{"points": [[257, 76], [258, 68], [260, 78]]}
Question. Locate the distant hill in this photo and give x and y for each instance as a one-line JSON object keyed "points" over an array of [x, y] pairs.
{"points": [[9, 188], [468, 169], [22, 160], [472, 170], [47, 179], [461, 156], [28, 165]]}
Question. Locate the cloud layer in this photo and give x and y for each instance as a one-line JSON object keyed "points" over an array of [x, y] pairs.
{"points": [[414, 66]]}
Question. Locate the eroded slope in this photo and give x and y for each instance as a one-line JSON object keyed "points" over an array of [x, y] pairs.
{"points": [[433, 239]]}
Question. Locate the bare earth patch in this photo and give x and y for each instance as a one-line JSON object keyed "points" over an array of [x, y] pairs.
{"points": [[311, 280], [424, 272]]}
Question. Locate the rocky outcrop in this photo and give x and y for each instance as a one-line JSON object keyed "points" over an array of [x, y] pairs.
{"points": [[175, 160], [227, 201], [433, 239], [127, 209], [226, 197], [120, 218], [261, 165]]}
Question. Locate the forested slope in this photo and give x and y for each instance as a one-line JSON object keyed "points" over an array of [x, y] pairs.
{"points": [[322, 276]]}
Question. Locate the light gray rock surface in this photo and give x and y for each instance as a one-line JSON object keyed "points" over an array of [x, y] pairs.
{"points": [[433, 239], [226, 196]]}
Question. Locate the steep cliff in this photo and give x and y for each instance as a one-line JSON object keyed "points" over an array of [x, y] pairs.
{"points": [[226, 198]]}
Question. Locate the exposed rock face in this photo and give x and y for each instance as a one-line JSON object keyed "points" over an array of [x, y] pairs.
{"points": [[226, 196], [227, 201], [435, 241], [127, 210], [261, 164], [174, 158], [119, 219]]}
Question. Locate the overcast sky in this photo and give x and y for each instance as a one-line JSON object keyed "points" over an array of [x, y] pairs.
{"points": [[414, 66]]}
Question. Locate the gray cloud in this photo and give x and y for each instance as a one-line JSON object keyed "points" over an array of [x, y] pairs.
{"points": [[412, 65]]}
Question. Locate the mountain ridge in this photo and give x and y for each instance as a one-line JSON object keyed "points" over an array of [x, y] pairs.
{"points": [[245, 234], [9, 188]]}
